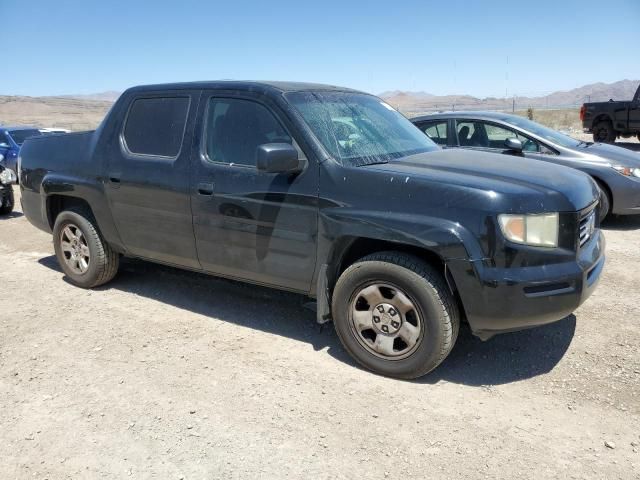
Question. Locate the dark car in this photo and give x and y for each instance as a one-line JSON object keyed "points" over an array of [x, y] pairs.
{"points": [[610, 120], [616, 170], [11, 139], [327, 192], [7, 179]]}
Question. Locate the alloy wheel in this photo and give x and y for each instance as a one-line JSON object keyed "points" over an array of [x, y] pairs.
{"points": [[385, 321]]}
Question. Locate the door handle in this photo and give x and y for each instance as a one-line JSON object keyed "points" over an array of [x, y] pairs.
{"points": [[205, 188], [114, 180]]}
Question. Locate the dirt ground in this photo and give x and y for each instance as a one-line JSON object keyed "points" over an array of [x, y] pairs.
{"points": [[168, 374]]}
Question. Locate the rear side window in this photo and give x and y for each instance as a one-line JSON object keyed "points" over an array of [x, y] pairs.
{"points": [[436, 131], [155, 126]]}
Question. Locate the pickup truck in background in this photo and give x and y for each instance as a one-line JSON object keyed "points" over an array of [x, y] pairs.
{"points": [[610, 120], [327, 192]]}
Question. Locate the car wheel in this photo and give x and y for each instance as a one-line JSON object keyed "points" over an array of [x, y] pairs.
{"points": [[7, 204], [85, 257], [395, 314], [605, 201], [603, 132]]}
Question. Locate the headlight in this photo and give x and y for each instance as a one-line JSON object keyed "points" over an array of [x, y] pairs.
{"points": [[7, 176], [627, 171], [537, 230]]}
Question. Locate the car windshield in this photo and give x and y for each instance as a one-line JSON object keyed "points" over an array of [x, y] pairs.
{"points": [[541, 131], [19, 136], [359, 129]]}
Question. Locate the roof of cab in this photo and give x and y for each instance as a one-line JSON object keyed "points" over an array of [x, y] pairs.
{"points": [[255, 86], [478, 114]]}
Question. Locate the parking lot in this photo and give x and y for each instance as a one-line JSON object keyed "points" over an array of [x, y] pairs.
{"points": [[169, 374]]}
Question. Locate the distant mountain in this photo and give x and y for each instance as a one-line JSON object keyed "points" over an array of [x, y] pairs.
{"points": [[416, 102], [108, 96], [62, 112], [596, 92], [400, 93]]}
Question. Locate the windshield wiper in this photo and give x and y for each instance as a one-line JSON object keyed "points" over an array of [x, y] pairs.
{"points": [[379, 162]]}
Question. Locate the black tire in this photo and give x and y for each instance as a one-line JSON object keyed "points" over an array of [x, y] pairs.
{"points": [[603, 132], [605, 201], [104, 261], [429, 293], [7, 203]]}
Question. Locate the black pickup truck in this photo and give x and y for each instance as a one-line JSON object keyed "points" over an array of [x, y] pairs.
{"points": [[610, 120], [324, 191]]}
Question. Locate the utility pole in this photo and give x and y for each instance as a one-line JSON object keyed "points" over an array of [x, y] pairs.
{"points": [[513, 106]]}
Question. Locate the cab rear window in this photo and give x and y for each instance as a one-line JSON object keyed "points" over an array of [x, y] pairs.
{"points": [[155, 126]]}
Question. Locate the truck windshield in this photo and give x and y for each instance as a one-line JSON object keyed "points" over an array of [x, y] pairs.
{"points": [[359, 129], [19, 136], [541, 131]]}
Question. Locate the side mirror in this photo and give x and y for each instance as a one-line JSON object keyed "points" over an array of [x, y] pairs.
{"points": [[513, 144], [4, 145], [277, 158]]}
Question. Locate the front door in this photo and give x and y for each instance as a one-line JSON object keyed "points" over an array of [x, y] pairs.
{"points": [[634, 113], [250, 224], [147, 177]]}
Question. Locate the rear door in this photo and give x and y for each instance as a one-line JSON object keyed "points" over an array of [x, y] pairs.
{"points": [[250, 224], [147, 174], [436, 130], [634, 113]]}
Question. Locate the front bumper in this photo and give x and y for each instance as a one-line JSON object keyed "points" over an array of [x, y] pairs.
{"points": [[498, 300], [626, 195]]}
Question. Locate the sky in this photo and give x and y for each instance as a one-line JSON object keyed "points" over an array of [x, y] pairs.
{"points": [[499, 48]]}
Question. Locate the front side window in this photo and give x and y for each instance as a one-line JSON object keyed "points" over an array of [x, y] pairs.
{"points": [[470, 134], [480, 134], [359, 129], [497, 136], [235, 129], [155, 126], [436, 131]]}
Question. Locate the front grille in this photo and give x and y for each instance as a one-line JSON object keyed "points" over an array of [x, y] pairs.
{"points": [[587, 227]]}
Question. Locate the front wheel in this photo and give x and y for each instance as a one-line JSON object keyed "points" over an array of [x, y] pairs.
{"points": [[395, 315], [7, 203], [85, 257], [605, 201]]}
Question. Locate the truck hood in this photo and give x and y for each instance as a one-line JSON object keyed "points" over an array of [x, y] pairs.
{"points": [[613, 154], [513, 184]]}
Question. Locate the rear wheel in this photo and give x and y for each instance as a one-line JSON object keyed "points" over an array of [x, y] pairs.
{"points": [[7, 203], [395, 315], [85, 257], [603, 132]]}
